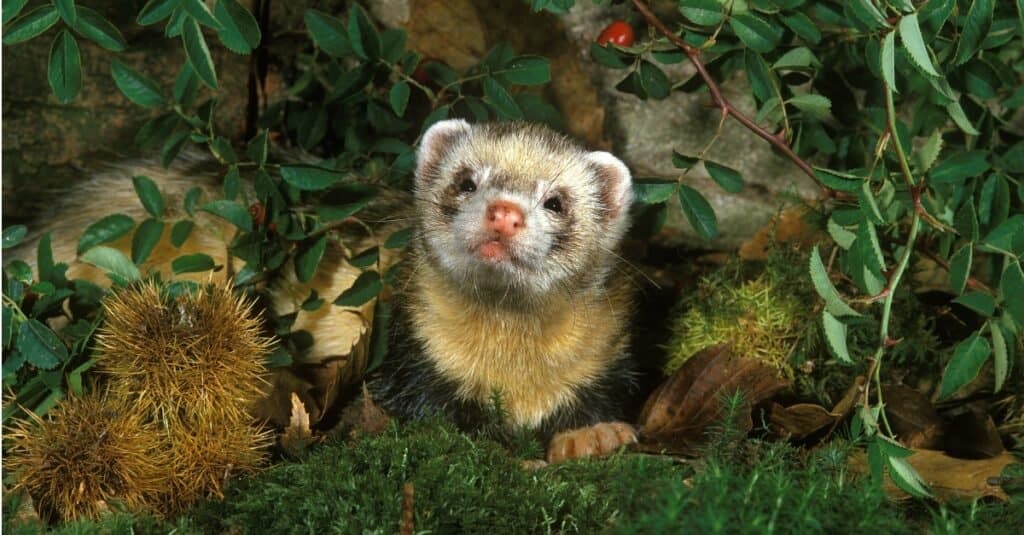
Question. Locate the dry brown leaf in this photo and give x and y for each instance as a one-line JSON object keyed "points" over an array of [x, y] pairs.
{"points": [[679, 412], [787, 227], [801, 420], [949, 478], [913, 418], [364, 416], [971, 433], [298, 436]]}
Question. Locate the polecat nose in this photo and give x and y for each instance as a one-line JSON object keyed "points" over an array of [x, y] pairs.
{"points": [[505, 218]]}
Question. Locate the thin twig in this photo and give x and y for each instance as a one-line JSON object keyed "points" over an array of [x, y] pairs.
{"points": [[720, 100]]}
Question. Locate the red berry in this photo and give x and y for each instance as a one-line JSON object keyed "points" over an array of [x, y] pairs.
{"points": [[616, 33], [258, 213], [420, 74]]}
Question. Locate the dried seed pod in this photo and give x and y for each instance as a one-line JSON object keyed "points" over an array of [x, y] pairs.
{"points": [[183, 355], [86, 453]]}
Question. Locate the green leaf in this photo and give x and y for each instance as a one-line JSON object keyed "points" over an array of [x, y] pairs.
{"points": [[13, 235], [308, 258], [653, 191], [960, 268], [198, 53], [329, 33], [823, 285], [865, 11], [398, 239], [367, 286], [192, 263], [755, 32], [654, 81], [145, 239], [309, 178], [838, 181], [956, 112], [67, 11], [235, 213], [966, 221], [65, 71], [527, 70], [200, 13], [8, 327], [913, 43], [816, 106], [682, 161], [799, 58], [975, 29], [868, 204], [137, 87], [362, 35], [1001, 361], [113, 261], [155, 11], [843, 237], [967, 360], [191, 197], [960, 166], [257, 149], [1007, 236], [180, 232], [93, 26], [1011, 287], [906, 478], [698, 212], [105, 230], [32, 24], [925, 158], [399, 97], [40, 345], [607, 56], [239, 31], [232, 183], [803, 26], [366, 258], [11, 9], [835, 334], [979, 302], [702, 12], [149, 194], [762, 81], [500, 100], [888, 60], [728, 178]]}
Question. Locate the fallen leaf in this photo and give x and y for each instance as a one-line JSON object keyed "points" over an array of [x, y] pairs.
{"points": [[298, 436], [364, 416], [914, 420], [801, 420], [787, 227], [677, 415], [949, 478], [970, 432]]}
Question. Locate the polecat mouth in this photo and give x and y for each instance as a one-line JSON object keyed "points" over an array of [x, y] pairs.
{"points": [[493, 251]]}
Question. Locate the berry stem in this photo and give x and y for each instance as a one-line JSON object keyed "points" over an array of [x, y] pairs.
{"points": [[720, 100]]}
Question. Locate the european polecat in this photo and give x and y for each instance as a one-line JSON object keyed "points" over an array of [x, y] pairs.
{"points": [[510, 287]]}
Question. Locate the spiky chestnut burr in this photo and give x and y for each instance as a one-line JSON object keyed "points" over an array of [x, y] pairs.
{"points": [[184, 356], [87, 453]]}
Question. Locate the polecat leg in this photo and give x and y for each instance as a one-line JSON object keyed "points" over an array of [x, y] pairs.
{"points": [[598, 440]]}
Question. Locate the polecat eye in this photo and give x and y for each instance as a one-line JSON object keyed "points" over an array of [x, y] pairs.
{"points": [[467, 185], [554, 204]]}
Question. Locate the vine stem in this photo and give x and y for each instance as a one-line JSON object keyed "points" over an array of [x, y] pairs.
{"points": [[719, 99]]}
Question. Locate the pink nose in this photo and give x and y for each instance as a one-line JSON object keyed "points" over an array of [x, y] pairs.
{"points": [[505, 218]]}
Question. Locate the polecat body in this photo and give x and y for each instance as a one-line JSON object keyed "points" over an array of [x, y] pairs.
{"points": [[508, 287]]}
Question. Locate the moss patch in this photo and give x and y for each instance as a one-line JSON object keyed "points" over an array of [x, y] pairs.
{"points": [[466, 484]]}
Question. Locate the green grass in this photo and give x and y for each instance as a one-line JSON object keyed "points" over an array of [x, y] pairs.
{"points": [[465, 484]]}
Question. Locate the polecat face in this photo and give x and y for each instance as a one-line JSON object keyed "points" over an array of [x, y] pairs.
{"points": [[516, 210]]}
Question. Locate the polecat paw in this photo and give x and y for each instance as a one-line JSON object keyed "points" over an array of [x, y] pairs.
{"points": [[597, 440]]}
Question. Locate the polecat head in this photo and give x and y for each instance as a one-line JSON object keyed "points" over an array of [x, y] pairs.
{"points": [[515, 210]]}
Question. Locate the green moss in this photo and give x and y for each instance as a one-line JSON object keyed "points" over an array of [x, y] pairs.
{"points": [[471, 485]]}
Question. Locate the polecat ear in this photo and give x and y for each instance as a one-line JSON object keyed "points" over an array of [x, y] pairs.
{"points": [[436, 142], [616, 182]]}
